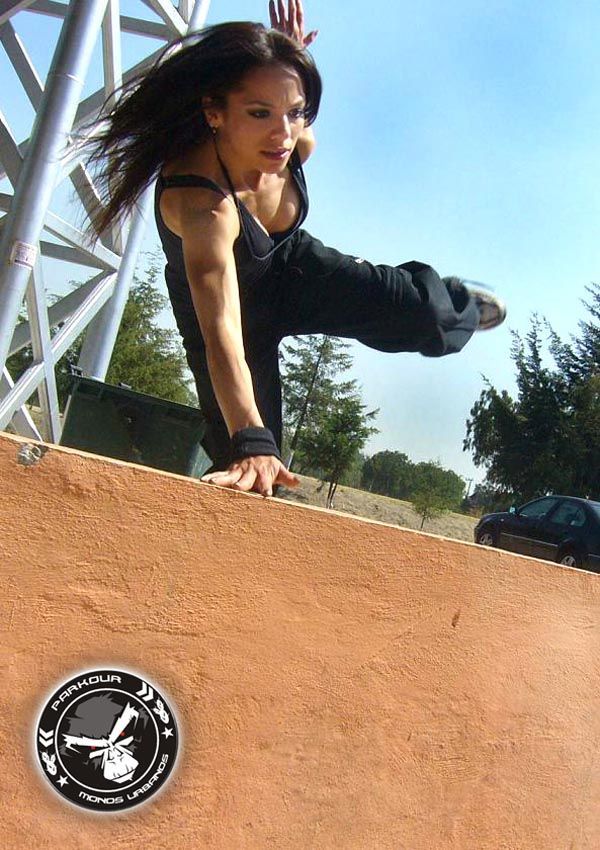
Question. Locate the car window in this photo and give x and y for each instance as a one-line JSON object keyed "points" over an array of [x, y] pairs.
{"points": [[538, 508], [569, 514]]}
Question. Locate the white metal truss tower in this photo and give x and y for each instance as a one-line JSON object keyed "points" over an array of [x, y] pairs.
{"points": [[34, 168]]}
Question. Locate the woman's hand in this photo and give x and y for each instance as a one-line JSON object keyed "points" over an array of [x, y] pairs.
{"points": [[257, 474], [293, 24]]}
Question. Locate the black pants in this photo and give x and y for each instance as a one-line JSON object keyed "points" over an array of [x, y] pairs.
{"points": [[311, 289]]}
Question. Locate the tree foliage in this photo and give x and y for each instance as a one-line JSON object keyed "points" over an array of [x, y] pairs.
{"points": [[546, 440], [147, 357], [485, 499], [435, 490], [310, 366], [389, 473], [353, 474], [325, 422], [427, 485], [338, 432]]}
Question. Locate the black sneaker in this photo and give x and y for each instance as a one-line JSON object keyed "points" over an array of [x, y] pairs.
{"points": [[492, 311]]}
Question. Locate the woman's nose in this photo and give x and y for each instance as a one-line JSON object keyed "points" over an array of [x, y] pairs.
{"points": [[281, 128]]}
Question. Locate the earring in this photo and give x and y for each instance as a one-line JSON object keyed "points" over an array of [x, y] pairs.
{"points": [[213, 130]]}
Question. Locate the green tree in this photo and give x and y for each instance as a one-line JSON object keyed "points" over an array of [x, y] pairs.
{"points": [[389, 473], [352, 476], [546, 439], [579, 360], [147, 357], [339, 431], [485, 499], [435, 490], [310, 365], [325, 423], [579, 366]]}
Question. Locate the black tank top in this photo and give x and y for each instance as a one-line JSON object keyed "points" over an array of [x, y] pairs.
{"points": [[253, 249]]}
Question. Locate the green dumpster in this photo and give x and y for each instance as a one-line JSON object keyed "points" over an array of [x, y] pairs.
{"points": [[121, 423]]}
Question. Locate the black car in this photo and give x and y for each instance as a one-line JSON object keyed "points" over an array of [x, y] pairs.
{"points": [[556, 528]]}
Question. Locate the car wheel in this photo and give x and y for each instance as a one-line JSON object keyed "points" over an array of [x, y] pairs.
{"points": [[569, 559], [486, 538]]}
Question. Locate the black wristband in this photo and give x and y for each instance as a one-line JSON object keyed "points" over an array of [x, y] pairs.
{"points": [[250, 442]]}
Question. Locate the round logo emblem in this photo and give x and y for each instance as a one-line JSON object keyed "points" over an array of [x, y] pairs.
{"points": [[107, 740]]}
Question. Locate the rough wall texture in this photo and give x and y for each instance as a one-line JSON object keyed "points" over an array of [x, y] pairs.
{"points": [[340, 683]]}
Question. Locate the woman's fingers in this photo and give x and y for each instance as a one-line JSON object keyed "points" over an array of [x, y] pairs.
{"points": [[247, 480], [287, 478], [292, 23], [298, 15], [273, 14], [282, 20], [224, 478], [296, 20]]}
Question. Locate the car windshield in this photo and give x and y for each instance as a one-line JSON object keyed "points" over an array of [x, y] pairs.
{"points": [[595, 506]]}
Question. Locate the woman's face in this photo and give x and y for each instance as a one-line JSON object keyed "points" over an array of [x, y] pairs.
{"points": [[259, 127]]}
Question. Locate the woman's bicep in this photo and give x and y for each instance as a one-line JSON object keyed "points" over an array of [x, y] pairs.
{"points": [[207, 238]]}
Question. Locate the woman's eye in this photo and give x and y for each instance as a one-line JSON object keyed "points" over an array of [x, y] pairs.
{"points": [[296, 114], [259, 113]]}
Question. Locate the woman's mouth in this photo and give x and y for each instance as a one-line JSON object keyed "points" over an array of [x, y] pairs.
{"points": [[277, 155]]}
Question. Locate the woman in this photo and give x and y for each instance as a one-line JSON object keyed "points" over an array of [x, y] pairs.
{"points": [[225, 124]]}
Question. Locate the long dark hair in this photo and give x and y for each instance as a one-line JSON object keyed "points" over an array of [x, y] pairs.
{"points": [[159, 114]]}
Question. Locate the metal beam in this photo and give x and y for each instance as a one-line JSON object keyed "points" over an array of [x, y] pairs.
{"points": [[18, 247], [10, 155], [95, 255], [185, 8], [8, 8], [68, 333], [76, 239], [21, 421], [113, 78], [80, 318], [136, 26], [100, 338], [169, 14], [111, 51], [60, 311], [69, 255], [22, 64], [198, 17], [149, 29], [51, 8], [36, 166], [41, 346]]}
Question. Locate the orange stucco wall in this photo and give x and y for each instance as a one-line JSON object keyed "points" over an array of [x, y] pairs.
{"points": [[340, 683]]}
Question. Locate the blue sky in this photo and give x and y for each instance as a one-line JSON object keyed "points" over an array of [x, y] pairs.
{"points": [[464, 135]]}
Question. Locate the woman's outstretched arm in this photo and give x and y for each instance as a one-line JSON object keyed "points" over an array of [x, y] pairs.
{"points": [[208, 233]]}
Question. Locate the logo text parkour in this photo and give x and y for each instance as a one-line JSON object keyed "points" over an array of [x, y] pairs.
{"points": [[107, 740]]}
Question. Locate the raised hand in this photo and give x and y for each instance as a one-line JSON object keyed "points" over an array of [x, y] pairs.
{"points": [[291, 24]]}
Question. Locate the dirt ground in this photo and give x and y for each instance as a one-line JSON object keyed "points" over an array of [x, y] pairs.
{"points": [[382, 508]]}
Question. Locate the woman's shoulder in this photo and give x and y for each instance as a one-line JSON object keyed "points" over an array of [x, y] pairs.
{"points": [[192, 198]]}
